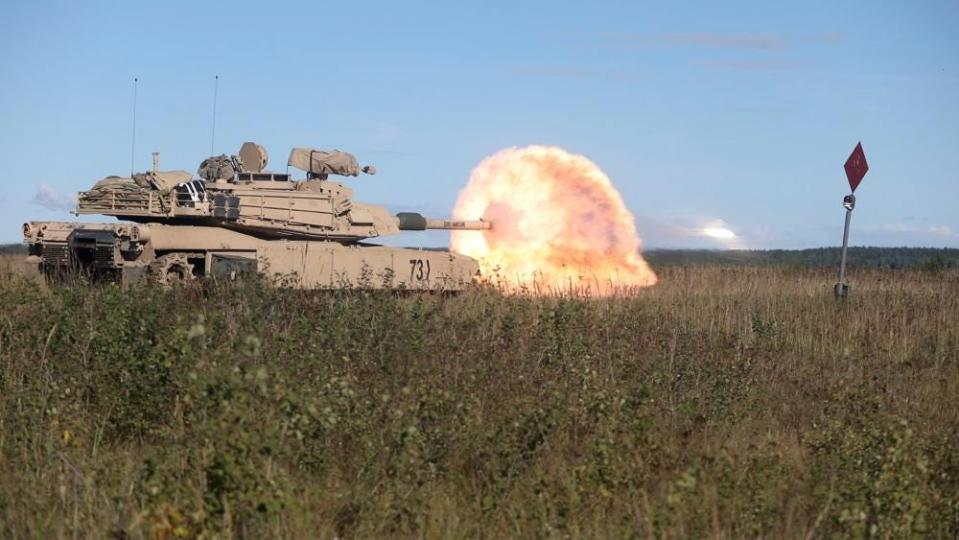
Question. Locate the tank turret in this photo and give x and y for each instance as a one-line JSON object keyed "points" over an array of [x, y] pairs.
{"points": [[236, 207], [264, 204]]}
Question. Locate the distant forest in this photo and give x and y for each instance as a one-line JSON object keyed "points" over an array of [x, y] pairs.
{"points": [[874, 257]]}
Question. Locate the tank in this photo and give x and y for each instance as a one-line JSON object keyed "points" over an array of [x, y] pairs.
{"points": [[236, 218]]}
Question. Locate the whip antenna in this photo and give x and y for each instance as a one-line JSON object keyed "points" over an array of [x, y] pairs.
{"points": [[216, 88], [133, 142]]}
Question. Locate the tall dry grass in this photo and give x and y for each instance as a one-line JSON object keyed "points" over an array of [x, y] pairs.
{"points": [[14, 264], [724, 402]]}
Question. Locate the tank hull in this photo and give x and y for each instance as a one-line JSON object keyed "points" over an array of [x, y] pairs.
{"points": [[130, 253]]}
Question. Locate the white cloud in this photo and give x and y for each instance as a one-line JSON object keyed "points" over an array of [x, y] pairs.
{"points": [[721, 233], [718, 230], [905, 233], [682, 232], [576, 72], [751, 64], [899, 227], [719, 40], [687, 232], [52, 199]]}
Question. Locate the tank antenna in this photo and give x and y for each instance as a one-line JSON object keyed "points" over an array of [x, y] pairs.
{"points": [[216, 88], [133, 142]]}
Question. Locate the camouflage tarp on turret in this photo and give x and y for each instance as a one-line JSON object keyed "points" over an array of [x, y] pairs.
{"points": [[222, 167], [320, 162], [116, 192], [106, 191], [162, 181]]}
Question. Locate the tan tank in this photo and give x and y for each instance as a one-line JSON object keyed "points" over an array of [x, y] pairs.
{"points": [[239, 219]]}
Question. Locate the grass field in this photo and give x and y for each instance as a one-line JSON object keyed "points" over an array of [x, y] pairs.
{"points": [[725, 402]]}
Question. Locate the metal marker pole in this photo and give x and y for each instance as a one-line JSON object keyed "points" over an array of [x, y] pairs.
{"points": [[842, 289]]}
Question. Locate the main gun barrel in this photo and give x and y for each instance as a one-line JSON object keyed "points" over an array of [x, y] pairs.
{"points": [[412, 221], [459, 225]]}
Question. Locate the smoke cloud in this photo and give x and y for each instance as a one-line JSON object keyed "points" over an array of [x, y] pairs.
{"points": [[52, 199]]}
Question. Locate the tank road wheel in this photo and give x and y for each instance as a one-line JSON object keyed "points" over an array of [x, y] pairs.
{"points": [[172, 268]]}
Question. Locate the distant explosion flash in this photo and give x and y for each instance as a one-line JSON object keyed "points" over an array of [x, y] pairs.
{"points": [[558, 224]]}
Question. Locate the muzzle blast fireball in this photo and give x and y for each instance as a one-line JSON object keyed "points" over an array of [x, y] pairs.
{"points": [[558, 224]]}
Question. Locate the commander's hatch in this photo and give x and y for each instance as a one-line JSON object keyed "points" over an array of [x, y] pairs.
{"points": [[253, 160]]}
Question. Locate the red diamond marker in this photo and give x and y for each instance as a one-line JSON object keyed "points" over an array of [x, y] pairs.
{"points": [[856, 166]]}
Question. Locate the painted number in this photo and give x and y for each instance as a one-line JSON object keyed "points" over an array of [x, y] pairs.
{"points": [[419, 269]]}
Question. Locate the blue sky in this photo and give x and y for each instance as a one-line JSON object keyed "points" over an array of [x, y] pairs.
{"points": [[742, 112]]}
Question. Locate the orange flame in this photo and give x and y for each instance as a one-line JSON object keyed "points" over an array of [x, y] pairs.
{"points": [[558, 224]]}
